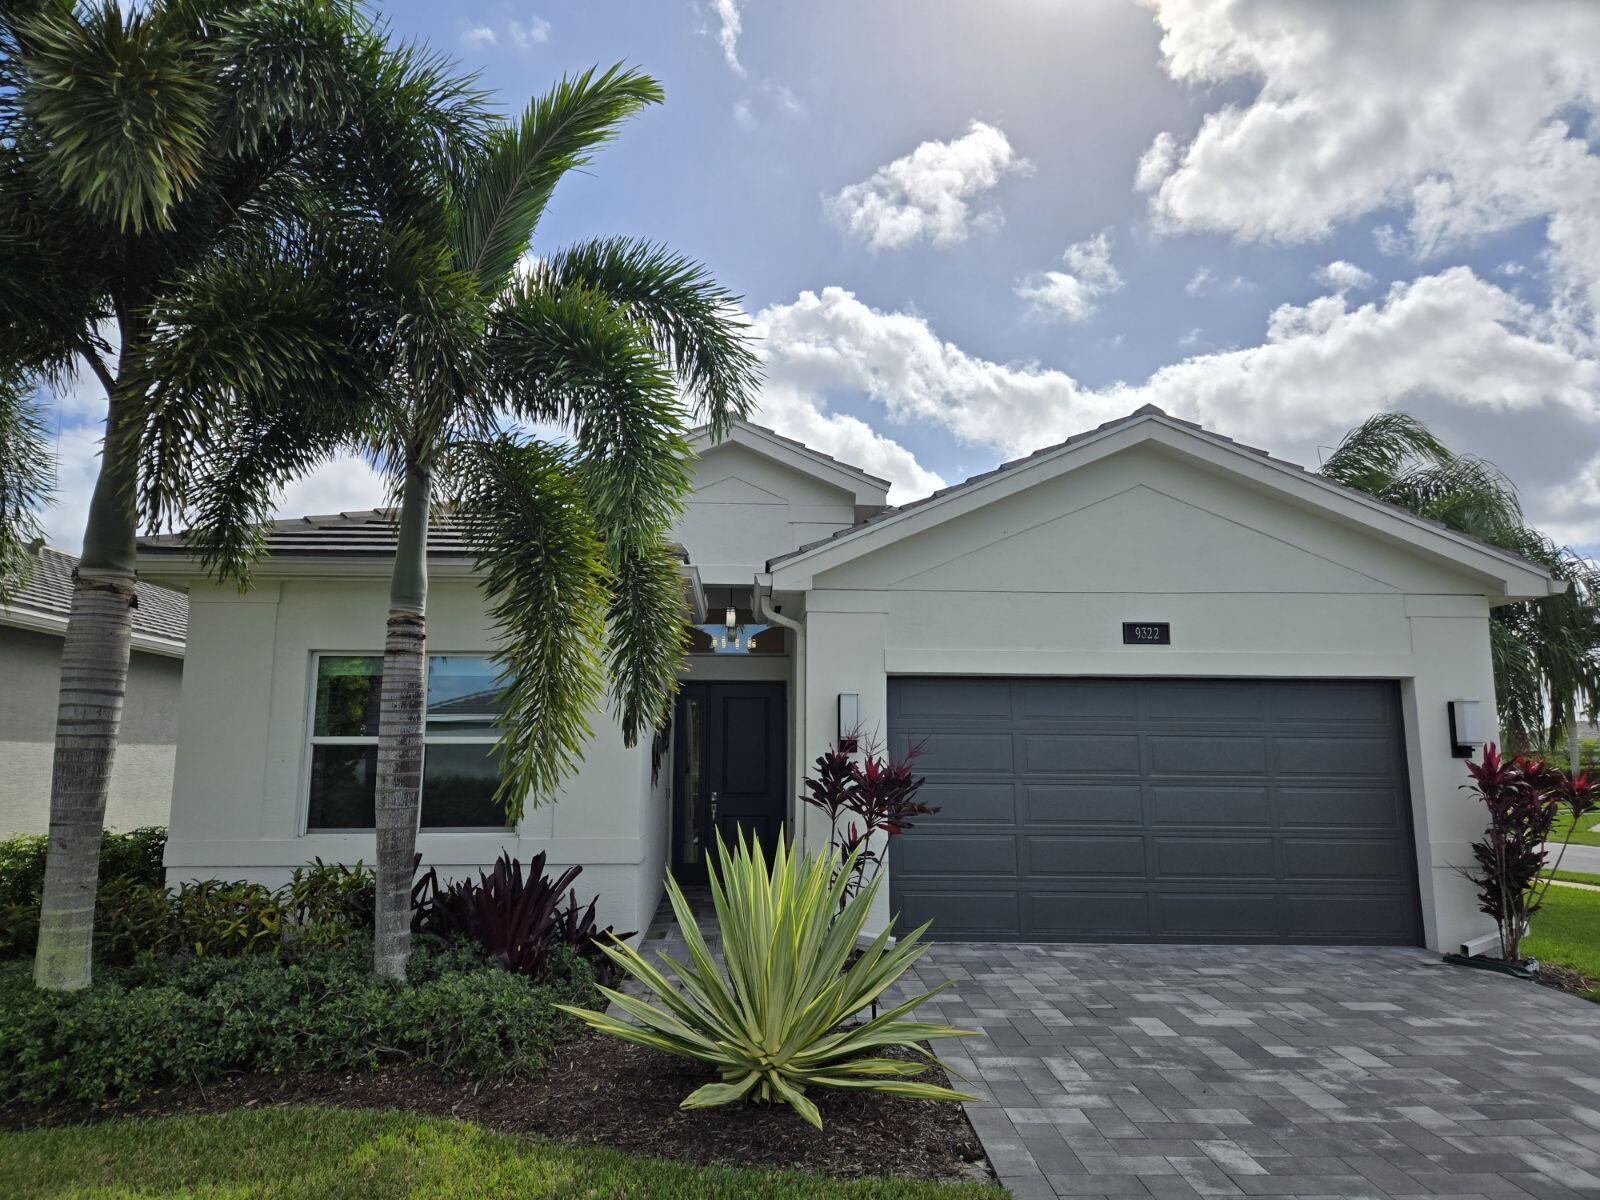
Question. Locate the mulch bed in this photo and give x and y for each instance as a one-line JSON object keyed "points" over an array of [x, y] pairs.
{"points": [[603, 1091], [1564, 980]]}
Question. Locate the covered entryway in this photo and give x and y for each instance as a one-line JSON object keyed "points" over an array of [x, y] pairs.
{"points": [[1157, 810]]}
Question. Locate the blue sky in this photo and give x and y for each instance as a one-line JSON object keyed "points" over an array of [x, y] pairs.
{"points": [[966, 230]]}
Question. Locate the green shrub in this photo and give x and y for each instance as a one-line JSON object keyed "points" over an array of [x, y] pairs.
{"points": [[321, 906], [164, 1020], [126, 860]]}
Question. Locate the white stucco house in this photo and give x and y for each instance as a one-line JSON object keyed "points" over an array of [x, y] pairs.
{"points": [[32, 626], [1170, 689]]}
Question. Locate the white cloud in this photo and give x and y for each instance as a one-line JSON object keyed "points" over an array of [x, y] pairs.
{"points": [[1073, 295], [730, 23], [1205, 280], [1156, 163], [929, 194], [525, 35], [347, 484], [744, 116], [1343, 276], [1454, 349], [1458, 113]]}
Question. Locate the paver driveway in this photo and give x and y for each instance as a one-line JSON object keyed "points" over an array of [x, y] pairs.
{"points": [[1270, 1071]]}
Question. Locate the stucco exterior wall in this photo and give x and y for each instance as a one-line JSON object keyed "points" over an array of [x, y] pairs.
{"points": [[141, 776], [1039, 584], [239, 793], [747, 508]]}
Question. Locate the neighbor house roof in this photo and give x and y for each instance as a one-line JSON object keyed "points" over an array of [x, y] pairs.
{"points": [[1441, 535], [43, 603]]}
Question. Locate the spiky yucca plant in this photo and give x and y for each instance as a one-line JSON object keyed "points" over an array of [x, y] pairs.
{"points": [[774, 1024]]}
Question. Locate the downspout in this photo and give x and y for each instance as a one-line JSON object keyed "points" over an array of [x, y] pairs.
{"points": [[773, 617]]}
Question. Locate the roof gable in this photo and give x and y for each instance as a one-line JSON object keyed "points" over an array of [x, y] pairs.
{"points": [[1502, 574], [797, 456]]}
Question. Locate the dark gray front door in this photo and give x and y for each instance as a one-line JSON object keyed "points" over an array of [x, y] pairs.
{"points": [[1157, 810], [728, 769]]}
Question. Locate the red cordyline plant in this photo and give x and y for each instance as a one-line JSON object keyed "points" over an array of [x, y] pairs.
{"points": [[1524, 797], [877, 795]]}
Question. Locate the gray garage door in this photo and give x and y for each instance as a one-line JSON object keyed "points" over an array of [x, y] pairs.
{"points": [[1162, 810]]}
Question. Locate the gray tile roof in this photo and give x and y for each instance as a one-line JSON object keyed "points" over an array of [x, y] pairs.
{"points": [[161, 612], [369, 533], [1148, 410]]}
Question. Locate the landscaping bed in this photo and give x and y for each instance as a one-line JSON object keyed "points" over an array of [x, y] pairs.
{"points": [[602, 1091], [334, 1154]]}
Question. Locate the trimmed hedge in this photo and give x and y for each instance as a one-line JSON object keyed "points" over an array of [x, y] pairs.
{"points": [[170, 1020]]}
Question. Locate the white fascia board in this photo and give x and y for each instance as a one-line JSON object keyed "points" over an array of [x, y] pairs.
{"points": [[1510, 577], [56, 625], [867, 489]]}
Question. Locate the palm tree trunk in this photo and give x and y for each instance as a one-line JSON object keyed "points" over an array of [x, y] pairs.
{"points": [[400, 728], [94, 680]]}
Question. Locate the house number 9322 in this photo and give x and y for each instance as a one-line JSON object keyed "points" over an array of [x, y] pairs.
{"points": [[1146, 633]]}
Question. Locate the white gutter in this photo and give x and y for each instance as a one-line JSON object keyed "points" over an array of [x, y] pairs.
{"points": [[51, 623], [763, 594]]}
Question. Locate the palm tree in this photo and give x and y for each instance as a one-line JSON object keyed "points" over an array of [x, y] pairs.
{"points": [[605, 340], [1546, 652], [26, 477], [179, 199]]}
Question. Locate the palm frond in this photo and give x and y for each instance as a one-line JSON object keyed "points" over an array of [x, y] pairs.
{"points": [[647, 636], [126, 108], [27, 477], [558, 132], [544, 573], [1381, 448], [694, 322]]}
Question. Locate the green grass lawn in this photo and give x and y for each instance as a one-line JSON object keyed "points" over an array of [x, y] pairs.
{"points": [[336, 1154], [1566, 931], [1578, 877], [1588, 833]]}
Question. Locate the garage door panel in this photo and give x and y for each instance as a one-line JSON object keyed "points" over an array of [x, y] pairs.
{"points": [[1342, 858], [1211, 806], [1158, 810], [1353, 918], [988, 855], [1085, 804], [1101, 700], [971, 803], [1371, 808], [1343, 703], [1214, 857], [1087, 855], [937, 698], [1189, 701], [960, 913], [1088, 914], [1088, 753], [1218, 915], [950, 750], [1335, 757], [1208, 754]]}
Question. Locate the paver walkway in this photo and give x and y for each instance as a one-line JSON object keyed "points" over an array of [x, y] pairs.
{"points": [[1179, 1071]]}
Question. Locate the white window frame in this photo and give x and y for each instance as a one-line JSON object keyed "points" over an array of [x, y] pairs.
{"points": [[313, 740]]}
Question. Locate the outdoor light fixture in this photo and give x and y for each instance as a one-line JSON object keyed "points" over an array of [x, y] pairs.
{"points": [[730, 637], [849, 721], [1466, 727]]}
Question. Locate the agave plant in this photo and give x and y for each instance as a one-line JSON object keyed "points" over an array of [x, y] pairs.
{"points": [[776, 1022]]}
